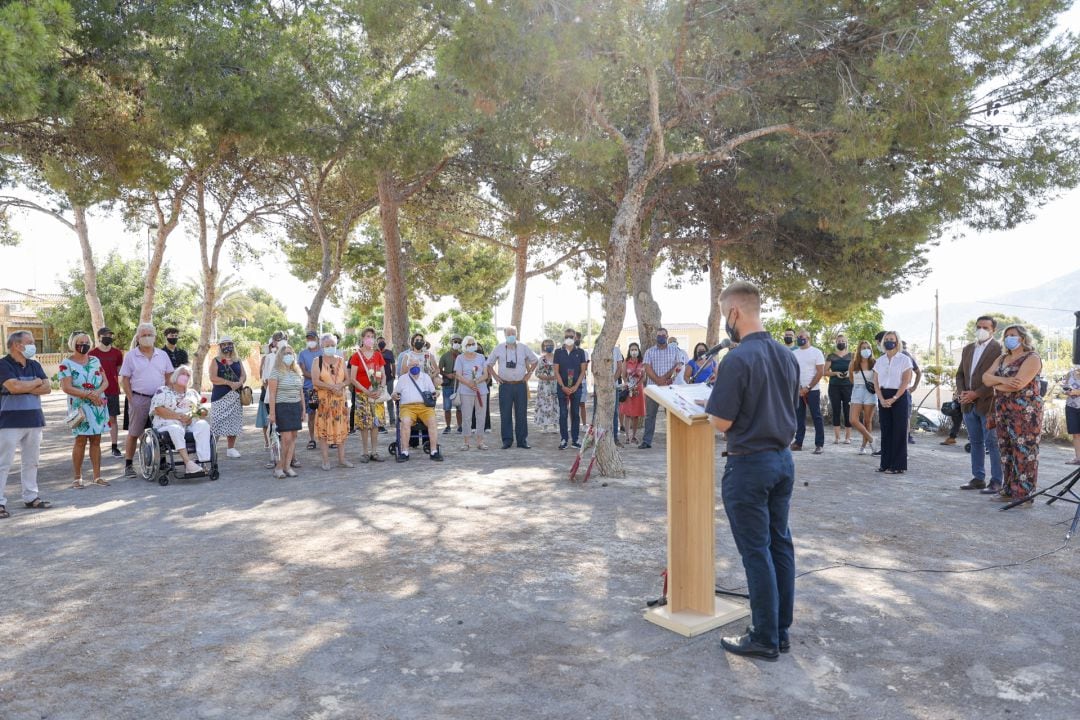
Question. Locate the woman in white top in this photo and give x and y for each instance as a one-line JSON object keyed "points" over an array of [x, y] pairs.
{"points": [[470, 372], [892, 379], [176, 409]]}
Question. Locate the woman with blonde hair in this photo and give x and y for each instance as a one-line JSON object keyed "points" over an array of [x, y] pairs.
{"points": [[227, 375], [892, 381], [84, 382], [1017, 413], [285, 391]]}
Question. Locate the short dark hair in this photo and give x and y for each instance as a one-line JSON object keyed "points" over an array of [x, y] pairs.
{"points": [[171, 330], [877, 338], [659, 329], [993, 322], [367, 330], [790, 330], [569, 330]]}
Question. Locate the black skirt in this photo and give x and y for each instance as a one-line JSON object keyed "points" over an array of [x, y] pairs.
{"points": [[289, 416]]}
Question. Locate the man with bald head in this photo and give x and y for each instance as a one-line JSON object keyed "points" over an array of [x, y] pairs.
{"points": [[753, 401], [515, 363]]}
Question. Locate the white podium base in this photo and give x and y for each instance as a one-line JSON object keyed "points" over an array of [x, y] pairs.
{"points": [[689, 624]]}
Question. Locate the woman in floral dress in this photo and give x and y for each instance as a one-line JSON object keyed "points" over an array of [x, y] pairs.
{"points": [[634, 406], [547, 389], [367, 376], [82, 379], [1017, 413], [332, 417]]}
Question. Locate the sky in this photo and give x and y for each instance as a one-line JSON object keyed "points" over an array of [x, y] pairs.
{"points": [[1045, 246]]}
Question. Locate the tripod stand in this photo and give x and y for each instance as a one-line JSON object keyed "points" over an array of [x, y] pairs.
{"points": [[1068, 481]]}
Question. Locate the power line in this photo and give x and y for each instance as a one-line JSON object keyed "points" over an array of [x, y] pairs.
{"points": [[1026, 307]]}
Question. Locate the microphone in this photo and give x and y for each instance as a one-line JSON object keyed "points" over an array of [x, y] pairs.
{"points": [[724, 345]]}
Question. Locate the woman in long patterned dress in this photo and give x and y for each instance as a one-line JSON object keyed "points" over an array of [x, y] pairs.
{"points": [[367, 376], [228, 376], [547, 389], [1017, 413], [82, 379], [332, 417], [633, 407]]}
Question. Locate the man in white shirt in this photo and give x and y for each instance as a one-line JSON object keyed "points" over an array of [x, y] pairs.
{"points": [[811, 368], [512, 364]]}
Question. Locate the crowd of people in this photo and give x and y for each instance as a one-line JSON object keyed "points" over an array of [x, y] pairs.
{"points": [[371, 392]]}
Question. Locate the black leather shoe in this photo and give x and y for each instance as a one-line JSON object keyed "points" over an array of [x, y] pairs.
{"points": [[743, 645], [974, 484], [525, 446], [506, 446], [785, 646], [991, 489]]}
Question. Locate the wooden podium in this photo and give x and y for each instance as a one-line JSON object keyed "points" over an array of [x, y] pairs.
{"points": [[692, 606]]}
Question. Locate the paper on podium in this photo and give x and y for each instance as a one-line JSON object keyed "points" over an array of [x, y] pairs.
{"points": [[682, 400]]}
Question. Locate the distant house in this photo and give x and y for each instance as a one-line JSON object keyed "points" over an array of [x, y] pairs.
{"points": [[23, 310], [688, 335]]}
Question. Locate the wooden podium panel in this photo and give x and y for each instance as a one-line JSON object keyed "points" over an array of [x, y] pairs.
{"points": [[692, 606]]}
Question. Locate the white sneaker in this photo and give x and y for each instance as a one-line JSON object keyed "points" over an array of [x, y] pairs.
{"points": [[192, 468], [232, 452], [862, 450]]}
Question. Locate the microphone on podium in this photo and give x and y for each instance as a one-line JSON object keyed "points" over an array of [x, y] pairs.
{"points": [[724, 345]]}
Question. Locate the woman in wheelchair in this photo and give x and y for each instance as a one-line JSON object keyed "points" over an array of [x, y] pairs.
{"points": [[177, 410]]}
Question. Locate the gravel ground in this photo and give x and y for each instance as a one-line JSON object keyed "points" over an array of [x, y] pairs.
{"points": [[488, 586]]}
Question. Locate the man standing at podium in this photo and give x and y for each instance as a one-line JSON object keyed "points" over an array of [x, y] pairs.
{"points": [[753, 401]]}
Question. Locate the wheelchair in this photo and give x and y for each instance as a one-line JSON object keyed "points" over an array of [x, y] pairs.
{"points": [[157, 459]]}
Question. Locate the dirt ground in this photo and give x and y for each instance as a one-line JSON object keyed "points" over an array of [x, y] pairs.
{"points": [[488, 586]]}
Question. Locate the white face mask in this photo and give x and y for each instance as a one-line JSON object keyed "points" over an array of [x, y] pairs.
{"points": [[568, 342], [146, 341], [456, 346], [866, 352], [470, 348], [288, 360], [982, 335], [330, 351], [312, 344]]}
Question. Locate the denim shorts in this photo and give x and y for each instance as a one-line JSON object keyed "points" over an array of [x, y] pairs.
{"points": [[861, 396]]}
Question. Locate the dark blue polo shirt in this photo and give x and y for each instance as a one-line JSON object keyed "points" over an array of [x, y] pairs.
{"points": [[21, 410], [570, 363], [757, 388]]}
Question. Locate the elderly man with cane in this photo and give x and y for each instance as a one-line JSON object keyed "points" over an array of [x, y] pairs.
{"points": [[753, 401]]}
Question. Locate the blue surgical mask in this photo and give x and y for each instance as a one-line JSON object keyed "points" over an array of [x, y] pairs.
{"points": [[866, 352], [1011, 342], [288, 360], [511, 339], [890, 344], [414, 370], [29, 351], [661, 339]]}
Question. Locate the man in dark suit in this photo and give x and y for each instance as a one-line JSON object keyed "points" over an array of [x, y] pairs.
{"points": [[976, 401]]}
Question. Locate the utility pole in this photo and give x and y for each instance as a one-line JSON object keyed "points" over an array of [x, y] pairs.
{"points": [[937, 346]]}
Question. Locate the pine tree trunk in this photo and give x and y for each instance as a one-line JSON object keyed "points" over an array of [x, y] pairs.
{"points": [[627, 220], [90, 291], [328, 276], [521, 279], [716, 285], [642, 262], [209, 280], [396, 310], [165, 226]]}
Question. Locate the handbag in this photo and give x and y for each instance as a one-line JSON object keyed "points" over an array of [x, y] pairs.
{"points": [[870, 387], [429, 397], [950, 407], [246, 397], [455, 398], [75, 418], [624, 393]]}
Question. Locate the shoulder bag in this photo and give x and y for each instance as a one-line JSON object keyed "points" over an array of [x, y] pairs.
{"points": [[429, 397], [870, 388]]}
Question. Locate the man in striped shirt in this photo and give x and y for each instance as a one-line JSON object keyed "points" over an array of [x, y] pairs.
{"points": [[661, 364]]}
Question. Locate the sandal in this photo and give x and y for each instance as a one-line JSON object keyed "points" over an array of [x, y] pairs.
{"points": [[4, 513], [38, 504], [481, 446], [465, 447], [101, 481], [312, 445], [78, 484]]}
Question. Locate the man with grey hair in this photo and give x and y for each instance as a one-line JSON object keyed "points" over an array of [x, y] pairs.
{"points": [[516, 363], [22, 383], [143, 372]]}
